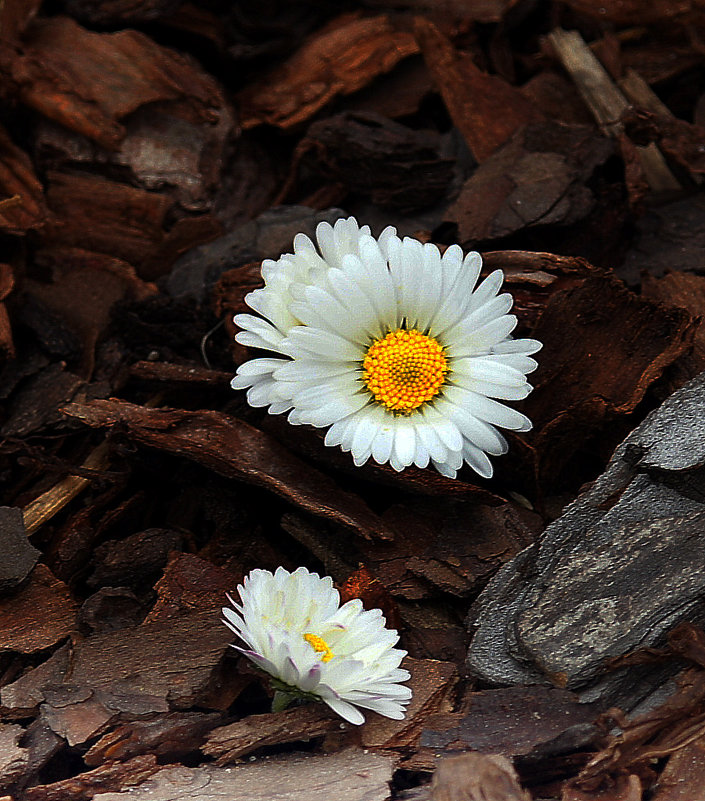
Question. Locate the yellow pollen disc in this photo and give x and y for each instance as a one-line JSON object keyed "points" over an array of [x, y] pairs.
{"points": [[404, 370], [320, 646]]}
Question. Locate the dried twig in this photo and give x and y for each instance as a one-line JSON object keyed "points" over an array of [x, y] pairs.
{"points": [[607, 103]]}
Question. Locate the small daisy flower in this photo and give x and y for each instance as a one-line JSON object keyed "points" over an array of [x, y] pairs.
{"points": [[391, 346], [296, 630]]}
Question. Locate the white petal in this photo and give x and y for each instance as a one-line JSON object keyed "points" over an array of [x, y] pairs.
{"points": [[405, 444], [314, 342], [478, 460]]}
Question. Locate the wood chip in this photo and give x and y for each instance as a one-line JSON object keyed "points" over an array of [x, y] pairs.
{"points": [[624, 788], [19, 556], [172, 659], [235, 449], [25, 631], [510, 721], [13, 759], [587, 331], [97, 783], [432, 683], [340, 58], [83, 289], [353, 774], [683, 778], [607, 103], [477, 777], [537, 178], [229, 743], [18, 180], [89, 81], [190, 582], [484, 108], [118, 220], [172, 735]]}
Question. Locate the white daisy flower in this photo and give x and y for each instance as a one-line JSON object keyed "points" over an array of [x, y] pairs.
{"points": [[296, 630], [391, 346]]}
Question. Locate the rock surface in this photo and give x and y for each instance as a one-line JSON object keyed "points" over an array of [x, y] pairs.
{"points": [[618, 570]]}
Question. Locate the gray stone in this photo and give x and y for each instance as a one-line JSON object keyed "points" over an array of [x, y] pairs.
{"points": [[18, 556], [619, 569]]}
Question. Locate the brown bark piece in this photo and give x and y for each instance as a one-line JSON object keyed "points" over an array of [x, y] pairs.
{"points": [[538, 178], [674, 726], [485, 109], [341, 58], [133, 561], [602, 340], [680, 140], [353, 774], [75, 714], [84, 288], [510, 721], [603, 347], [108, 217], [235, 449], [112, 12], [191, 582], [172, 659], [634, 12], [557, 98], [397, 94], [37, 402], [185, 235], [303, 723], [172, 735], [22, 696], [18, 180], [89, 81], [113, 776], [179, 373], [15, 16], [13, 759], [18, 555], [686, 291], [683, 778], [477, 777], [161, 151], [452, 549], [25, 631], [373, 156], [432, 682], [624, 788]]}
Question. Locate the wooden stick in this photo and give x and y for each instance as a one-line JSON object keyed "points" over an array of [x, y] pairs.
{"points": [[607, 103], [641, 94], [53, 500]]}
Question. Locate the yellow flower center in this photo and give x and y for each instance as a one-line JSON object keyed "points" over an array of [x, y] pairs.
{"points": [[320, 646], [404, 370]]}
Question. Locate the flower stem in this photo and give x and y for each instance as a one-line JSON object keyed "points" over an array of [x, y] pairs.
{"points": [[281, 700]]}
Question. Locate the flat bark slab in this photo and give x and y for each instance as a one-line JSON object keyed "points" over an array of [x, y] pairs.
{"points": [[512, 721], [233, 448], [19, 556], [353, 774], [22, 631], [616, 572], [300, 723], [13, 758], [477, 777]]}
